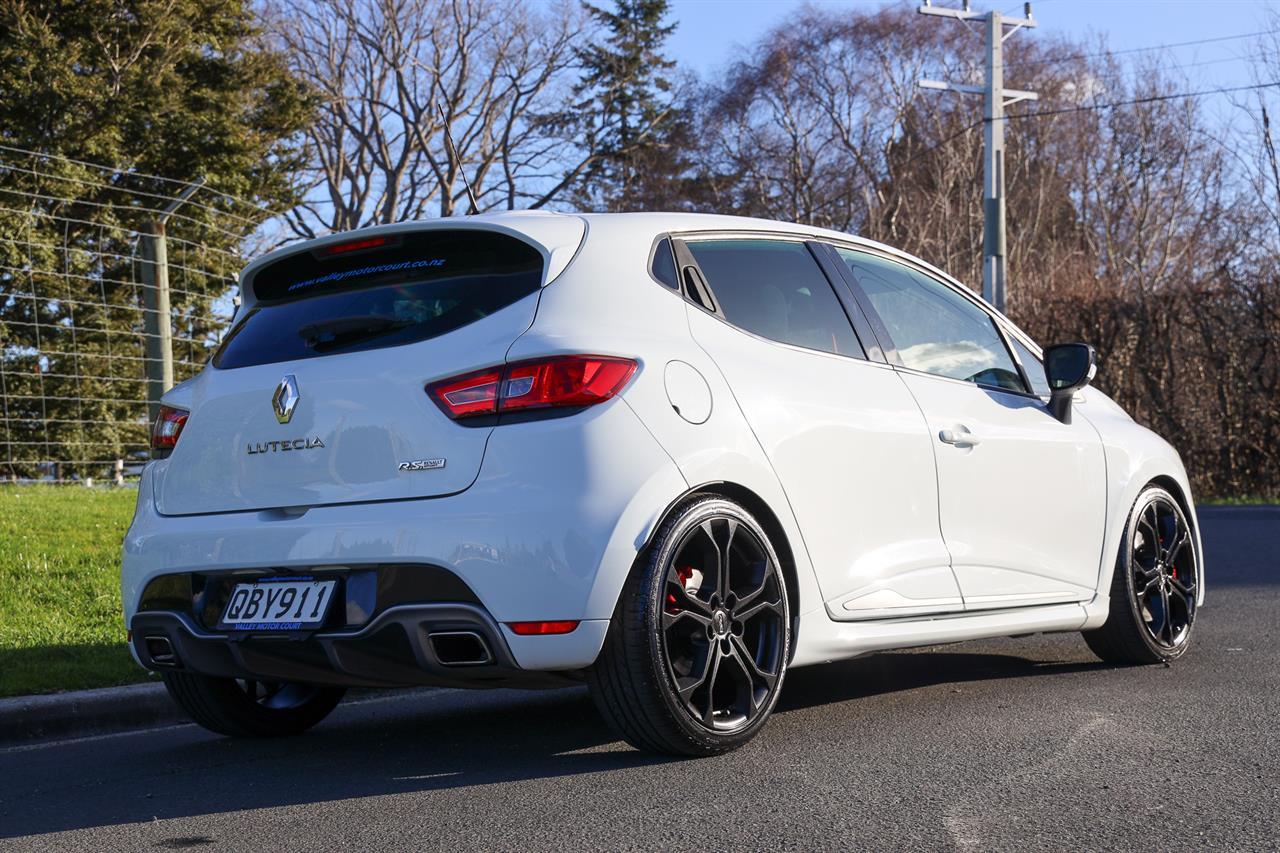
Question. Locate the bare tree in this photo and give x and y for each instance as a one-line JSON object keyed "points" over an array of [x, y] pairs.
{"points": [[1129, 223], [393, 74]]}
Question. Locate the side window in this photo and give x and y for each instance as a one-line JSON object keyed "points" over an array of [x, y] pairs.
{"points": [[663, 265], [933, 328], [775, 289], [1033, 367]]}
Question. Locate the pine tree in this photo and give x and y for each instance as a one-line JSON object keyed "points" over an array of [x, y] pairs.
{"points": [[628, 106], [174, 88]]}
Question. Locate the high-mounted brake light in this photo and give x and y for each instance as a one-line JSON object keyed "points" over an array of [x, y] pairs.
{"points": [[167, 428], [538, 629], [354, 246], [562, 381]]}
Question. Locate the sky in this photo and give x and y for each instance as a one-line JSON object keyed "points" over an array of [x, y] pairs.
{"points": [[711, 33]]}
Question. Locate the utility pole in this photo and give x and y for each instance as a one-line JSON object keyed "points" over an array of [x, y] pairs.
{"points": [[155, 303], [995, 98]]}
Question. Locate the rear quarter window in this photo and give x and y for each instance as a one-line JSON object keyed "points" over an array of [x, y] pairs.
{"points": [[663, 265], [400, 289], [775, 289]]}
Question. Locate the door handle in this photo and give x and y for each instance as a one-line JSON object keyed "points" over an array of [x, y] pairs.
{"points": [[959, 436]]}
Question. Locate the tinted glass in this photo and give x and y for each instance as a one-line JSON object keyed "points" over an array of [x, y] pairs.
{"points": [[776, 289], [933, 328], [1033, 367], [421, 286], [664, 265]]}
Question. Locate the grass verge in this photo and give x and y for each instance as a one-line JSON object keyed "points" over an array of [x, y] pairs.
{"points": [[61, 626]]}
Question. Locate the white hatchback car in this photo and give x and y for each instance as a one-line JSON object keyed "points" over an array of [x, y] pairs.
{"points": [[668, 455]]}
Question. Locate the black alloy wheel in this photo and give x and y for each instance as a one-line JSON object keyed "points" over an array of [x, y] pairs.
{"points": [[698, 648], [723, 624], [1155, 588], [1163, 563]]}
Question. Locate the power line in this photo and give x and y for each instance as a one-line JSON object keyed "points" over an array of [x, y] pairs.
{"points": [[1054, 60], [1149, 99], [1199, 64], [941, 142], [1127, 51], [1080, 109], [1177, 66]]}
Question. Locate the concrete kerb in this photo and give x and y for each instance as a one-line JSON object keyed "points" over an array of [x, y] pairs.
{"points": [[80, 713]]}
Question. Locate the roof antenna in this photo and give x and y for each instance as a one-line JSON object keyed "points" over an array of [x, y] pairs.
{"points": [[457, 163]]}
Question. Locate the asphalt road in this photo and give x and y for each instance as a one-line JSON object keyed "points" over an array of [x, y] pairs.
{"points": [[1008, 744]]}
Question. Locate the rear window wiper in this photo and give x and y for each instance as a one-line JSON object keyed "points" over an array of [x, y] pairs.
{"points": [[342, 331]]}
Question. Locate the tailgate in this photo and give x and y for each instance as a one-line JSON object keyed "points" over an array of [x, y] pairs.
{"points": [[317, 395], [358, 418]]}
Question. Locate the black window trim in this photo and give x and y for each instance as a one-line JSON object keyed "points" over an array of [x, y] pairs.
{"points": [[1011, 338], [887, 341], [684, 258], [653, 256], [832, 268], [686, 264]]}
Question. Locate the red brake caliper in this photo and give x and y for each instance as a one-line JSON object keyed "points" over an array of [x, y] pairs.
{"points": [[683, 573]]}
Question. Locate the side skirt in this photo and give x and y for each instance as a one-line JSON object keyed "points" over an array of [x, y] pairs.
{"points": [[823, 640]]}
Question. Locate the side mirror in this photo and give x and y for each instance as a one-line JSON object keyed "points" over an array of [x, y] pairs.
{"points": [[1068, 367]]}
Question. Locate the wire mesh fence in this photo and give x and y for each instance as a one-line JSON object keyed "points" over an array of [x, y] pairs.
{"points": [[74, 306]]}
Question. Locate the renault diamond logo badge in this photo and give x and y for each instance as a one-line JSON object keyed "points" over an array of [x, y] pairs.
{"points": [[285, 400]]}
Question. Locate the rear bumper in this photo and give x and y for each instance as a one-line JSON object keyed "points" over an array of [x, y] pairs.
{"points": [[448, 645], [548, 531]]}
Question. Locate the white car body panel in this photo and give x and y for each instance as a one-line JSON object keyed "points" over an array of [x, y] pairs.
{"points": [[1135, 457], [578, 314], [846, 442], [544, 520], [1009, 544]]}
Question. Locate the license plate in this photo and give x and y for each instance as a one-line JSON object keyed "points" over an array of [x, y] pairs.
{"points": [[278, 605]]}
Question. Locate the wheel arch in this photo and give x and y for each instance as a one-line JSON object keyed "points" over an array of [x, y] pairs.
{"points": [[1173, 487], [773, 527], [1170, 485], [1172, 481]]}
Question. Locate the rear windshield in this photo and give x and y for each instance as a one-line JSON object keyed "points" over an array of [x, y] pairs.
{"points": [[383, 292]]}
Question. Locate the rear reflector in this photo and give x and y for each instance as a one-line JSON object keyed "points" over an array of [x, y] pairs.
{"points": [[167, 428], [562, 381], [537, 629]]}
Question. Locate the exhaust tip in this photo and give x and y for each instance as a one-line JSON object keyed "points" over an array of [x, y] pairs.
{"points": [[460, 648], [160, 650]]}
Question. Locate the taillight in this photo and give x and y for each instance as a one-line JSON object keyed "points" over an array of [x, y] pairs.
{"points": [[167, 428], [562, 381]]}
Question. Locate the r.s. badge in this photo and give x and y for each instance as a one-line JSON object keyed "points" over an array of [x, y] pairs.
{"points": [[421, 464]]}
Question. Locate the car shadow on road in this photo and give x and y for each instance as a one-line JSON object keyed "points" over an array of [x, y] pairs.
{"points": [[422, 741], [892, 672]]}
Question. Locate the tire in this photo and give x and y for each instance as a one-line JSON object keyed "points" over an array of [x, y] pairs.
{"points": [[1154, 587], [693, 664], [239, 708]]}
